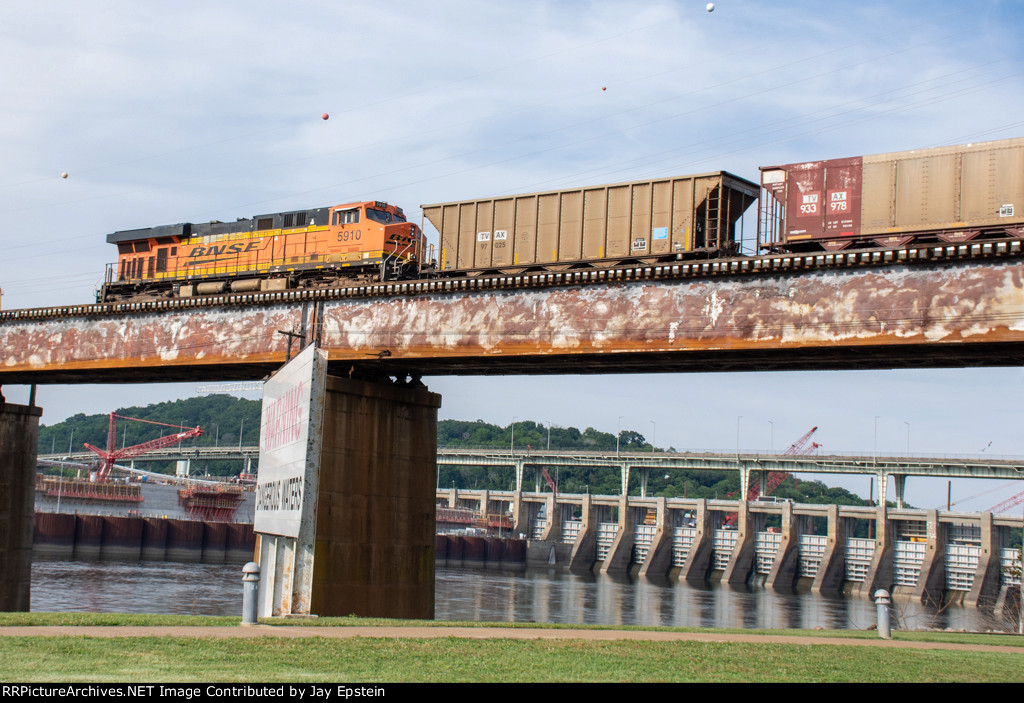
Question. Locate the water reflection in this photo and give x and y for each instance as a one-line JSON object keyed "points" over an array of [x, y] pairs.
{"points": [[551, 596], [136, 587]]}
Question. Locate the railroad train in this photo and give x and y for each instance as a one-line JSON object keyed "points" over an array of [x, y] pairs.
{"points": [[946, 194]]}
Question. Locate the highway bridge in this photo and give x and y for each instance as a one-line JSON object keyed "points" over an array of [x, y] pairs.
{"points": [[750, 466]]}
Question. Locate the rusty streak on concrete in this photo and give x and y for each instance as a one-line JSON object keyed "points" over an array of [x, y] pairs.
{"points": [[957, 314]]}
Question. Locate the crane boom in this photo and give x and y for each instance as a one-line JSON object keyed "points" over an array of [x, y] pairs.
{"points": [[111, 455]]}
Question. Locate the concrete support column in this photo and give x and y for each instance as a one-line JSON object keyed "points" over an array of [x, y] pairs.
{"points": [[374, 553], [985, 590], [624, 488], [520, 514], [901, 487], [19, 435], [584, 551], [643, 481], [879, 573], [931, 582], [787, 560], [554, 527], [744, 479], [484, 506], [741, 563], [620, 555], [832, 570], [698, 561], [453, 497], [659, 554], [520, 466]]}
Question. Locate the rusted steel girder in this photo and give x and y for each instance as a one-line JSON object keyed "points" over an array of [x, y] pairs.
{"points": [[955, 314]]}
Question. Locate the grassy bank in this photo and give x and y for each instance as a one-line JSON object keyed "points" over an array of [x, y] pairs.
{"points": [[365, 659]]}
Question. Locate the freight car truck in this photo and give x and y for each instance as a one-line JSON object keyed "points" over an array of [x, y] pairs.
{"points": [[593, 227], [948, 194]]}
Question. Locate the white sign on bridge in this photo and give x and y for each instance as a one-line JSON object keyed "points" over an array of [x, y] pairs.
{"points": [[287, 481]]}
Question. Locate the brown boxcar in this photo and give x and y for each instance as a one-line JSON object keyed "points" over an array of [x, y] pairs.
{"points": [[952, 193], [648, 221]]}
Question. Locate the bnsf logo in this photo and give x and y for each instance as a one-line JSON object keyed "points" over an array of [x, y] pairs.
{"points": [[216, 250]]}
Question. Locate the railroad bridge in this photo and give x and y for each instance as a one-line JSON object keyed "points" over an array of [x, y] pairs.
{"points": [[938, 306], [931, 306]]}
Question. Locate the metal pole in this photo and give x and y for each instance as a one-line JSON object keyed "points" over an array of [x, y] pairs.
{"points": [[512, 444], [618, 431], [654, 434], [882, 602], [250, 589]]}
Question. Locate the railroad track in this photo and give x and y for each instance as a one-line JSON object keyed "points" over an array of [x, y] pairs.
{"points": [[768, 264]]}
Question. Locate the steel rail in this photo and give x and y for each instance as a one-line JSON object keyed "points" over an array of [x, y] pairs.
{"points": [[767, 264]]}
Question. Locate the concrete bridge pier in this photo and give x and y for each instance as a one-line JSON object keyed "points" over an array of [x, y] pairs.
{"points": [[620, 554], [900, 484], [520, 468], [931, 581], [584, 551], [985, 590], [659, 553], [375, 510], [19, 434], [698, 561], [880, 571], [553, 530], [741, 563], [786, 566], [832, 570]]}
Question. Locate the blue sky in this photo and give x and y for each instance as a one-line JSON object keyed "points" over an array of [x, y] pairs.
{"points": [[197, 111]]}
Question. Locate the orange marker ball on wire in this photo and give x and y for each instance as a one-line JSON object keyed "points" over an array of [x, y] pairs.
{"points": [[324, 116], [64, 175]]}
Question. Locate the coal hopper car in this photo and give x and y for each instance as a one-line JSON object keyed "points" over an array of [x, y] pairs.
{"points": [[946, 194], [601, 226]]}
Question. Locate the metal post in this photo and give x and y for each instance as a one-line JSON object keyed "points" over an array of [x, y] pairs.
{"points": [[882, 602], [250, 587]]}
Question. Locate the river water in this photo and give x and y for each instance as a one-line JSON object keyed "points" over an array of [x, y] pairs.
{"points": [[541, 596]]}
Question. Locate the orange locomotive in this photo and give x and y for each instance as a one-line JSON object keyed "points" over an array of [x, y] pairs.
{"points": [[318, 247]]}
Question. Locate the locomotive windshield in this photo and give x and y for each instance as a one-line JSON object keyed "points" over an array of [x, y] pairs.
{"points": [[383, 216]]}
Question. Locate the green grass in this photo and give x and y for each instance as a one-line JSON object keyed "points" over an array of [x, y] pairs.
{"points": [[129, 619], [315, 659], [447, 659]]}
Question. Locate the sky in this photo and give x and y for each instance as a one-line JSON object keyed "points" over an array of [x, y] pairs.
{"points": [[195, 111]]}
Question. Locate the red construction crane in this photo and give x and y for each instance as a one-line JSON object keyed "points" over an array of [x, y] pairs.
{"points": [[799, 448], [1007, 504], [551, 482], [111, 454]]}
